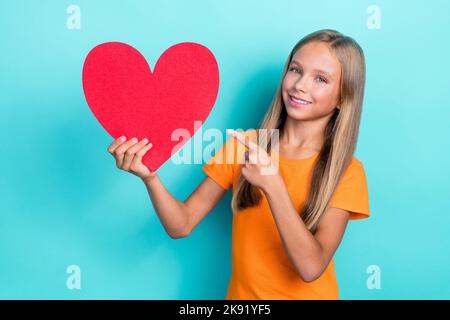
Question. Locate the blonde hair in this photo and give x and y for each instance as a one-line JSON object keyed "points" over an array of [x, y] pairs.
{"points": [[341, 132]]}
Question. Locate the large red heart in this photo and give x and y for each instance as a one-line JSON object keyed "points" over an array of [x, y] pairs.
{"points": [[128, 99]]}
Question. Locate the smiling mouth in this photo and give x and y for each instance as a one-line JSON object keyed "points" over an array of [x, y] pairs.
{"points": [[298, 102]]}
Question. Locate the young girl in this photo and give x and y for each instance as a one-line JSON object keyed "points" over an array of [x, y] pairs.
{"points": [[288, 225]]}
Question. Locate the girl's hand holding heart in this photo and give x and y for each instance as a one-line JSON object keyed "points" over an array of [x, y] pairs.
{"points": [[128, 155], [258, 170]]}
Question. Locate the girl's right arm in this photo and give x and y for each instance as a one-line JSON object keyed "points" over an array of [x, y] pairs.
{"points": [[179, 218]]}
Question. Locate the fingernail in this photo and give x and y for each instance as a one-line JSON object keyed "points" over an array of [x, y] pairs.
{"points": [[150, 145], [145, 140], [122, 138], [134, 140]]}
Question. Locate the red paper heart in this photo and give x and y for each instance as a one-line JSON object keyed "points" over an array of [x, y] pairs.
{"points": [[128, 99]]}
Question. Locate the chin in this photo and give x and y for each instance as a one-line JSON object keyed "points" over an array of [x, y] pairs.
{"points": [[296, 113]]}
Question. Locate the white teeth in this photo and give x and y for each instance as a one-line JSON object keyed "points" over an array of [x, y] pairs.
{"points": [[299, 101]]}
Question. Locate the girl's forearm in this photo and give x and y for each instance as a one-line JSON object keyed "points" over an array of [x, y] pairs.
{"points": [[171, 212], [301, 246]]}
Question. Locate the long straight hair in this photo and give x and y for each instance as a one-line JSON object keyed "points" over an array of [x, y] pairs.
{"points": [[341, 132]]}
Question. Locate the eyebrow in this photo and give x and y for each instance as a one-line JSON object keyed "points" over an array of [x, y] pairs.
{"points": [[315, 70]]}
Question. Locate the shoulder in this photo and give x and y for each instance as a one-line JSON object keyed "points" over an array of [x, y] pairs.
{"points": [[355, 169], [355, 163], [351, 192]]}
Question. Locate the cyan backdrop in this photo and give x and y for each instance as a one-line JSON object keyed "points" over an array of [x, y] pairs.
{"points": [[63, 201]]}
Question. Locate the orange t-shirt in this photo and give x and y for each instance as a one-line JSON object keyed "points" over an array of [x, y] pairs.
{"points": [[261, 268]]}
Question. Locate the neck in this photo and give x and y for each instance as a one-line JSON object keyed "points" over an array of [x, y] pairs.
{"points": [[304, 134]]}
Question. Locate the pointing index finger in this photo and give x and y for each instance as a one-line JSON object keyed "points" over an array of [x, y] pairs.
{"points": [[243, 139]]}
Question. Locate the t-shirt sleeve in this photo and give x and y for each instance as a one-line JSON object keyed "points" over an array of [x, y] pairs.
{"points": [[351, 193], [220, 167]]}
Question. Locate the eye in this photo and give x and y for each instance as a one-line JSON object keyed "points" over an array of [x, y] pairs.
{"points": [[293, 68], [322, 79]]}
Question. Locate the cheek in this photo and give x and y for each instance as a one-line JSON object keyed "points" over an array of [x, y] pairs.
{"points": [[285, 84], [323, 95], [285, 88]]}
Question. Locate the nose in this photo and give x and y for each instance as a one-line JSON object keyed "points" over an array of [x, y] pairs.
{"points": [[301, 84]]}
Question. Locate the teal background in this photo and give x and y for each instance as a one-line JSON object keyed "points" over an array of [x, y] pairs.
{"points": [[64, 202]]}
